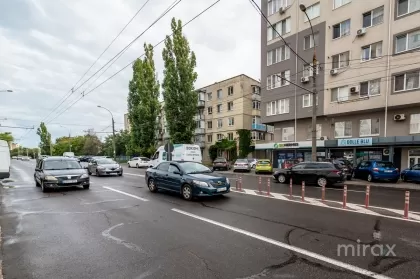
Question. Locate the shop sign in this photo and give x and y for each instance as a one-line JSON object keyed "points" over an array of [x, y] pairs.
{"points": [[355, 142], [286, 145]]}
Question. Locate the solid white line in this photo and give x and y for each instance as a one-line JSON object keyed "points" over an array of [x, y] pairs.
{"points": [[289, 247], [133, 174], [362, 209], [401, 212], [124, 193]]}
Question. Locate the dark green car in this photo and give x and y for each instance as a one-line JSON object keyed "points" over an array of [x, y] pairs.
{"points": [[190, 179]]}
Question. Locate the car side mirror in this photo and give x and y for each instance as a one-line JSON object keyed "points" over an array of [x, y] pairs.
{"points": [[177, 172]]}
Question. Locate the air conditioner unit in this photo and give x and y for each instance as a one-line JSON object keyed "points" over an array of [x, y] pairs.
{"points": [[304, 79], [333, 72], [323, 138], [282, 10], [399, 117], [354, 89], [361, 32]]}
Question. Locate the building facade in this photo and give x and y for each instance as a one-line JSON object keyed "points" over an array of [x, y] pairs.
{"points": [[368, 72], [127, 125]]}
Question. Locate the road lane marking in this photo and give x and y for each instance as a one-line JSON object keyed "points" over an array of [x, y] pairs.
{"points": [[125, 193], [362, 209], [133, 174], [398, 211], [301, 251], [104, 201]]}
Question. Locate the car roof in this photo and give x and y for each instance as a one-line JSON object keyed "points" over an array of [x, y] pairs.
{"points": [[61, 158]]}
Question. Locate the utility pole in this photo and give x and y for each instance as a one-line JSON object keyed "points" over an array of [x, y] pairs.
{"points": [[113, 130]]}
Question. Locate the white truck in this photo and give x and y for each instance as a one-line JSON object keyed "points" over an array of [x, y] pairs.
{"points": [[4, 159], [181, 152], [68, 154]]}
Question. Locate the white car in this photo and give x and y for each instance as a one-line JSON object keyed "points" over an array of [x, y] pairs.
{"points": [[139, 162]]}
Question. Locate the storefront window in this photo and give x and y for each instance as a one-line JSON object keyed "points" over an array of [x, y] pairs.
{"points": [[362, 155]]}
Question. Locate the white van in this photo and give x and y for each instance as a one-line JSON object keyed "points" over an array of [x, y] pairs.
{"points": [[4, 159], [182, 152], [68, 154]]}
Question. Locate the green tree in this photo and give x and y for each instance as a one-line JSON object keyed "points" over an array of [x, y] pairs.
{"points": [[178, 85], [92, 145], [122, 142], [45, 139], [143, 102], [61, 145], [245, 141], [6, 137]]}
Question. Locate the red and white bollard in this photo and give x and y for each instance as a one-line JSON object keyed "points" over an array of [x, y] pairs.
{"points": [[345, 196], [407, 204], [240, 183], [259, 184], [367, 196], [303, 190], [323, 193], [237, 182], [268, 186], [291, 188]]}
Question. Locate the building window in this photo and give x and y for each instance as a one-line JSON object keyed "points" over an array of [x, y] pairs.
{"points": [[277, 55], [219, 94], [283, 106], [209, 96], [273, 6], [219, 108], [257, 135], [407, 81], [282, 27], [341, 60], [408, 41], [231, 121], [370, 88], [309, 68], [339, 3], [256, 90], [274, 81], [219, 123], [230, 106], [209, 110], [341, 29], [369, 127], [313, 11], [210, 138], [272, 108], [372, 51], [308, 41], [318, 131], [230, 90], [219, 137], [340, 94], [230, 136], [256, 120], [407, 6], [307, 100], [210, 125], [373, 17], [288, 134], [256, 105], [415, 124], [342, 129]]}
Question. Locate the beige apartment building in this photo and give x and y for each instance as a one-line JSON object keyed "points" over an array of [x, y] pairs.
{"points": [[127, 125], [368, 73]]}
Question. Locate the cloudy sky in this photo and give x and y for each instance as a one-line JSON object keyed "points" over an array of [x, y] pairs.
{"points": [[47, 45]]}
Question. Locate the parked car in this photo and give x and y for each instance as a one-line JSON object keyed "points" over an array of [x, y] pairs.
{"points": [[85, 159], [221, 163], [25, 158], [190, 179], [253, 162], [377, 170], [345, 165], [411, 174], [319, 173], [4, 159], [139, 162], [263, 165], [104, 166], [242, 165], [59, 172]]}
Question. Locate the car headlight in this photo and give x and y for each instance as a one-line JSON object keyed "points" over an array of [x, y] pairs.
{"points": [[85, 175], [200, 183], [50, 178], [100, 168], [227, 181]]}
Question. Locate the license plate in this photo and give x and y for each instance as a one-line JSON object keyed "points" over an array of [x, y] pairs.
{"points": [[388, 171], [221, 189], [69, 181]]}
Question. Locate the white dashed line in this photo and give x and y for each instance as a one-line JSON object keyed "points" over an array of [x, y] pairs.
{"points": [[289, 247], [133, 174], [124, 193]]}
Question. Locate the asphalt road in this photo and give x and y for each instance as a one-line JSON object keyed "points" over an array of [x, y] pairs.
{"points": [[118, 229]]}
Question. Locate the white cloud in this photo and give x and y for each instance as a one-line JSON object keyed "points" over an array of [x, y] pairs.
{"points": [[46, 46]]}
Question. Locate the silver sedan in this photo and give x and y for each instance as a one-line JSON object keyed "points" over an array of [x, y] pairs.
{"points": [[104, 166], [242, 165]]}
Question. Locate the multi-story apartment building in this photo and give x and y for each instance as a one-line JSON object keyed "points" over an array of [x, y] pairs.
{"points": [[227, 106], [127, 125], [368, 71]]}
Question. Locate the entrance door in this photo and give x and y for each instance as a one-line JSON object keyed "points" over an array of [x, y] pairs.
{"points": [[413, 160]]}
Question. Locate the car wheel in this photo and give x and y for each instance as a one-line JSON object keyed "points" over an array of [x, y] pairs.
{"points": [[37, 184], [187, 192], [120, 174], [129, 165], [137, 165], [369, 178], [97, 173], [281, 178], [86, 186], [321, 181], [394, 180], [151, 185], [353, 175], [43, 188], [256, 172], [349, 177], [403, 178]]}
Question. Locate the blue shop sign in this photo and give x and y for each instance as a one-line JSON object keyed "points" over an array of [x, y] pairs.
{"points": [[355, 142]]}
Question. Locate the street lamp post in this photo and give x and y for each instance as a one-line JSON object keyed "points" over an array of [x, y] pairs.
{"points": [[113, 130], [314, 92], [69, 136]]}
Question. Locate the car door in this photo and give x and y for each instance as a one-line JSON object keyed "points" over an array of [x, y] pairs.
{"points": [[161, 175], [38, 169], [133, 162], [174, 178], [360, 171], [92, 166], [310, 172], [413, 173], [297, 173]]}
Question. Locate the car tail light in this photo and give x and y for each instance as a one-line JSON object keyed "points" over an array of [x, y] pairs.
{"points": [[375, 169], [336, 171]]}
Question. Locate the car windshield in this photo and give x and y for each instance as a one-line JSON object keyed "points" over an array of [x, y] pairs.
{"points": [[220, 160], [105, 161], [384, 164], [264, 162], [61, 165], [193, 167]]}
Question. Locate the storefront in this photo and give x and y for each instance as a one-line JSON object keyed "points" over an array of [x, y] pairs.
{"points": [[279, 152]]}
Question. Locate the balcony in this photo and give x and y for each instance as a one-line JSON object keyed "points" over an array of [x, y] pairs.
{"points": [[199, 117], [256, 97], [200, 143], [201, 104], [259, 127], [199, 131]]}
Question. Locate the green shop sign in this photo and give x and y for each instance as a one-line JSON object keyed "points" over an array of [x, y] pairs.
{"points": [[286, 145]]}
